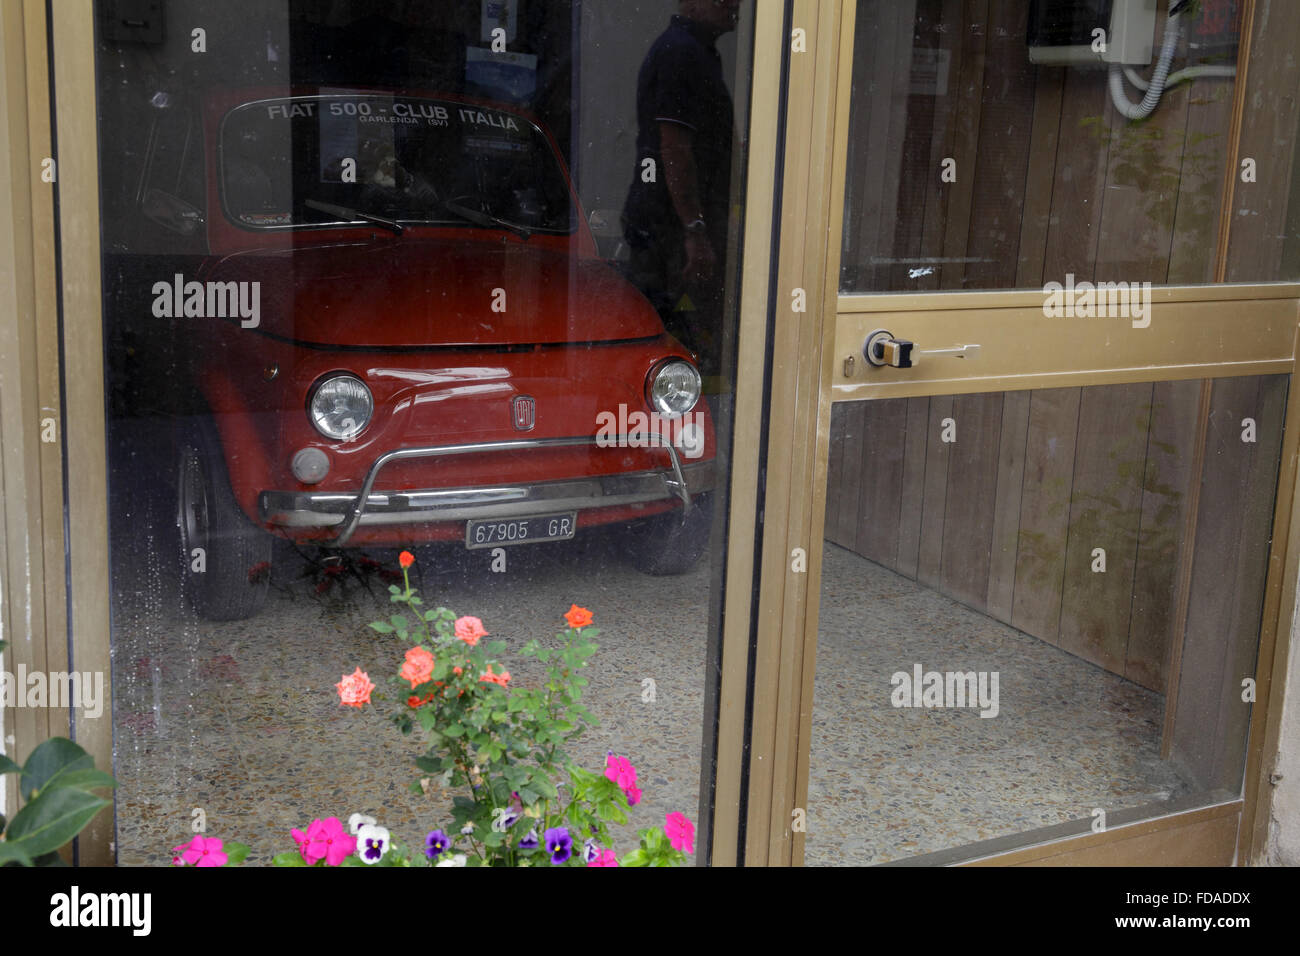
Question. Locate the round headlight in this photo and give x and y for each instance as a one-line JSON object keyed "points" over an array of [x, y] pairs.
{"points": [[673, 388], [341, 407]]}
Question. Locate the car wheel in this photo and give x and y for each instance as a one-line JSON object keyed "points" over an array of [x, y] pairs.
{"points": [[667, 544], [225, 559]]}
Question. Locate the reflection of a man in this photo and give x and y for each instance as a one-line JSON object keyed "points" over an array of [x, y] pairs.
{"points": [[385, 182], [676, 222]]}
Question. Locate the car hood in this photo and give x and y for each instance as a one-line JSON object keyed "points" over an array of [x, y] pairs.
{"points": [[408, 293]]}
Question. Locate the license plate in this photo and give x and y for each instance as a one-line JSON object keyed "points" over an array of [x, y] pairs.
{"points": [[502, 532]]}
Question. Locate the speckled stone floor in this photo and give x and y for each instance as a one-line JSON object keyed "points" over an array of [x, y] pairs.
{"points": [[888, 783], [241, 720]]}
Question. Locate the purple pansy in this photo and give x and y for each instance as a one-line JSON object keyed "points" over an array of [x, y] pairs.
{"points": [[559, 844], [435, 843]]}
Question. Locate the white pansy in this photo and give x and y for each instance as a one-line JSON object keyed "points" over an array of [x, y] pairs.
{"points": [[357, 821], [457, 860], [372, 843]]}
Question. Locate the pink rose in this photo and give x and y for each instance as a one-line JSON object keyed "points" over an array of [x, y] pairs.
{"points": [[354, 689], [418, 667], [469, 630]]}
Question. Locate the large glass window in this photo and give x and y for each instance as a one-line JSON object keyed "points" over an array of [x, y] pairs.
{"points": [[1015, 144], [426, 290]]}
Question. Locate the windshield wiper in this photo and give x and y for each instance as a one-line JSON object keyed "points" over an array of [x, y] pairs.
{"points": [[485, 219], [352, 215]]}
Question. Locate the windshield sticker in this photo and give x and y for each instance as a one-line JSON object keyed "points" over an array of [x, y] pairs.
{"points": [[483, 118], [487, 142]]}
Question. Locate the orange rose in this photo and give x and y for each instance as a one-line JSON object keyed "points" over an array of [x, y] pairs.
{"points": [[578, 617], [354, 689], [418, 667], [469, 630], [406, 559], [489, 678]]}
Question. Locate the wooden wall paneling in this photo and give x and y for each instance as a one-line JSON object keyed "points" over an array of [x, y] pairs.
{"points": [[1002, 162], [1105, 513], [948, 32], [1220, 516], [937, 456], [972, 489], [846, 518], [1268, 136], [834, 474], [928, 126], [1200, 185], [884, 42], [881, 490], [970, 107], [1006, 505], [1045, 511], [1086, 113], [1240, 643], [913, 498], [1040, 179], [1166, 487], [1144, 164]]}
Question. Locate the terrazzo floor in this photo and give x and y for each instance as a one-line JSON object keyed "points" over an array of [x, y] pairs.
{"points": [[888, 783], [241, 721]]}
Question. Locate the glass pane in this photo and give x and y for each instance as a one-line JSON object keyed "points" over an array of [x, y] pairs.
{"points": [[991, 147], [418, 277], [1038, 613]]}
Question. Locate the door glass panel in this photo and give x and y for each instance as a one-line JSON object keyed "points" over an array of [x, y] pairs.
{"points": [[1040, 613], [989, 147], [345, 244]]}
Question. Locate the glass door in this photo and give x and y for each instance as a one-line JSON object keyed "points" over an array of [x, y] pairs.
{"points": [[463, 299], [1051, 481]]}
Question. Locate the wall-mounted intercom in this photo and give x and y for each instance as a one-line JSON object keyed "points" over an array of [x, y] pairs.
{"points": [[1091, 32]]}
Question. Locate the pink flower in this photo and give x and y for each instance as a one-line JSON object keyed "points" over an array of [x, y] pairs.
{"points": [[201, 851], [620, 770], [325, 840], [469, 630], [606, 858], [633, 795], [418, 667], [354, 689], [681, 832]]}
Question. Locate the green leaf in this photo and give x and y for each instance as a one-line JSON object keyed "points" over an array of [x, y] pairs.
{"points": [[54, 756], [8, 766], [381, 627], [455, 730], [49, 859], [13, 853], [236, 853], [288, 858], [87, 779], [52, 819]]}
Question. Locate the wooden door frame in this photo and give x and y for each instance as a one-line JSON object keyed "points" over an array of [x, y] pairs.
{"points": [[810, 379]]}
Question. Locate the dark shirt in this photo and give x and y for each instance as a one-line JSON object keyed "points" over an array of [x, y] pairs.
{"points": [[681, 82]]}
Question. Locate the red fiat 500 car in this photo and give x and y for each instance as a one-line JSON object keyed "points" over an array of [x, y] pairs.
{"points": [[404, 333]]}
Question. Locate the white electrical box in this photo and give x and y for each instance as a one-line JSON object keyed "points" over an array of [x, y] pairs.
{"points": [[1092, 32]]}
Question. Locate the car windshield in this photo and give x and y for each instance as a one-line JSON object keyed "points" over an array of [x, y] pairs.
{"points": [[331, 158]]}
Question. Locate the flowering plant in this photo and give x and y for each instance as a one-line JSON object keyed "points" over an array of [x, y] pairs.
{"points": [[528, 803]]}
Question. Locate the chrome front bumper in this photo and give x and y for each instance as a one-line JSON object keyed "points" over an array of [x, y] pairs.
{"points": [[347, 512]]}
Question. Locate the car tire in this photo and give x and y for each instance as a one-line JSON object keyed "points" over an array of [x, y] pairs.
{"points": [[666, 544], [228, 580]]}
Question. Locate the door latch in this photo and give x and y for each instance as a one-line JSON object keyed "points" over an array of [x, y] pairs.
{"points": [[881, 349]]}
